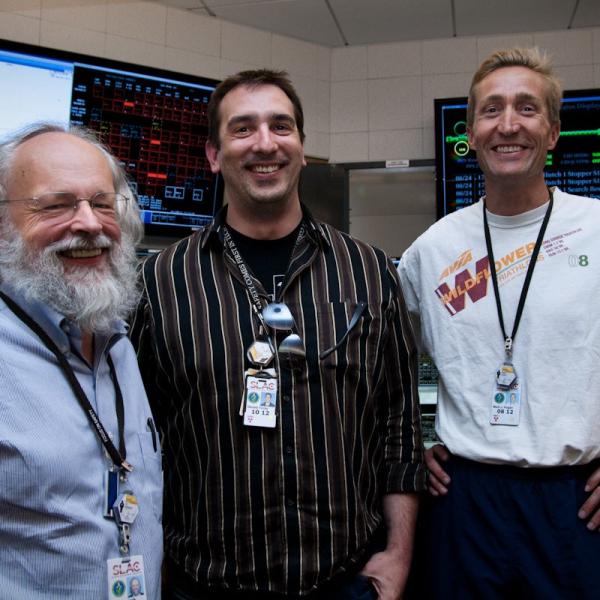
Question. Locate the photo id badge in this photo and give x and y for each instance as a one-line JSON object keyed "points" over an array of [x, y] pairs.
{"points": [[261, 401], [126, 578], [506, 405]]}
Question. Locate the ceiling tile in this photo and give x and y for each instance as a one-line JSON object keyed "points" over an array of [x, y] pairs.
{"points": [[380, 21], [483, 17], [383, 21], [308, 20], [588, 14], [220, 3], [183, 3]]}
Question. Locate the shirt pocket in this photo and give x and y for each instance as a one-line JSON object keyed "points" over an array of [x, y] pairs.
{"points": [[152, 477], [356, 328]]}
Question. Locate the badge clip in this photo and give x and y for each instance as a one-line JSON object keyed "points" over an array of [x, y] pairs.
{"points": [[125, 510], [506, 376]]}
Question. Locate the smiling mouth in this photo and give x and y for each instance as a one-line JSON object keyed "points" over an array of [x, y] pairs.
{"points": [[265, 168], [82, 253], [508, 149]]}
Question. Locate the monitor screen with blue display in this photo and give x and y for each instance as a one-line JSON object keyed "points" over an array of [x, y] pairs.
{"points": [[574, 165], [154, 122]]}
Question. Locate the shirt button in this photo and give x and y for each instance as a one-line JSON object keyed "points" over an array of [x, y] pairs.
{"points": [[286, 398], [288, 449], [290, 502]]}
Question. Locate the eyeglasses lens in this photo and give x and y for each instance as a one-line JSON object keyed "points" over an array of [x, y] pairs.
{"points": [[278, 316]]}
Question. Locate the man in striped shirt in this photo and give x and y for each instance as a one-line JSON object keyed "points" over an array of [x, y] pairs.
{"points": [[313, 492]]}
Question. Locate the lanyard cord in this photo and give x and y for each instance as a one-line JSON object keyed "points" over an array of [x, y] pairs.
{"points": [[120, 408], [508, 341], [117, 456], [247, 278]]}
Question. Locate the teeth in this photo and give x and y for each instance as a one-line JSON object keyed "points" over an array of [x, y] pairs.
{"points": [[265, 168], [83, 253], [508, 148]]}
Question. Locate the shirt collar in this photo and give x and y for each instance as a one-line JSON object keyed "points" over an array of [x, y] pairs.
{"points": [[62, 330], [315, 231]]}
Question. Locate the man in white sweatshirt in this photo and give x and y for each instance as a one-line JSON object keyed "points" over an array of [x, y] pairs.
{"points": [[504, 297]]}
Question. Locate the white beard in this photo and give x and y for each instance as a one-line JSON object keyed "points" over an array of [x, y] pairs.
{"points": [[93, 298]]}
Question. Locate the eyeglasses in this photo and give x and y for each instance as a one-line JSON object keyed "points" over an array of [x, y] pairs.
{"points": [[358, 311], [278, 316], [63, 205]]}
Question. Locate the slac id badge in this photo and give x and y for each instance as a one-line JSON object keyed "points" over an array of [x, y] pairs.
{"points": [[126, 578], [506, 405], [260, 394]]}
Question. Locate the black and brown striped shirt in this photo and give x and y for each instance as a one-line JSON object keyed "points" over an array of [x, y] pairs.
{"points": [[282, 509]]}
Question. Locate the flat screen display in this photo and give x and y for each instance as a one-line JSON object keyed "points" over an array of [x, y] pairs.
{"points": [[155, 122], [574, 165]]}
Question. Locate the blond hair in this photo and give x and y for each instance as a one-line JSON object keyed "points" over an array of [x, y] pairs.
{"points": [[530, 58]]}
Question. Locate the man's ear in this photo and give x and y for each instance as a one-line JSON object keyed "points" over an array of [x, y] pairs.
{"points": [[470, 138], [212, 154], [554, 135]]}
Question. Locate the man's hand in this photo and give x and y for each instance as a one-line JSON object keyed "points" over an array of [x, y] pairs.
{"points": [[388, 573], [438, 479], [590, 509], [388, 570]]}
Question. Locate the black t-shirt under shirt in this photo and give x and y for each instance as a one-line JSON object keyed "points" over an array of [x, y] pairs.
{"points": [[267, 259]]}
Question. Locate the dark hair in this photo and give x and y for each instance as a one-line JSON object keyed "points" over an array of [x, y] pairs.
{"points": [[530, 58], [252, 79]]}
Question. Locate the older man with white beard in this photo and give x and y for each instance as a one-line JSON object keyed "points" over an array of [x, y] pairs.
{"points": [[80, 463]]}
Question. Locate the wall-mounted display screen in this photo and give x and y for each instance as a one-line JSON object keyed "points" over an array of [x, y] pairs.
{"points": [[154, 121], [574, 165]]}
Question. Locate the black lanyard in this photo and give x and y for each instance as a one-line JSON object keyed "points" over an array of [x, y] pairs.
{"points": [[245, 273], [117, 456], [508, 341]]}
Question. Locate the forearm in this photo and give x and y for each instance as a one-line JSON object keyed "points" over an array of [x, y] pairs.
{"points": [[388, 570], [400, 513]]}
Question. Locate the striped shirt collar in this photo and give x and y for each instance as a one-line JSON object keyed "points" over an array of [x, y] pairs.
{"points": [[315, 231]]}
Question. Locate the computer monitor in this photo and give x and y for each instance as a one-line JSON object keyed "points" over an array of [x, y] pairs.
{"points": [[154, 121]]}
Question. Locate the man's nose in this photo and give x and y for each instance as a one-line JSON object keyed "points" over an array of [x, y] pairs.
{"points": [[85, 219], [509, 122], [265, 141]]}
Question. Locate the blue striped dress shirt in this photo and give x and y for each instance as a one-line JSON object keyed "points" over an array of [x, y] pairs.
{"points": [[54, 539]]}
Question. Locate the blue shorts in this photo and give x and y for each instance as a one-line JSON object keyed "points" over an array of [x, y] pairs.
{"points": [[504, 532]]}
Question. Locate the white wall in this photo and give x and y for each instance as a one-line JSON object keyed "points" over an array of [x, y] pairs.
{"points": [[382, 95]]}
